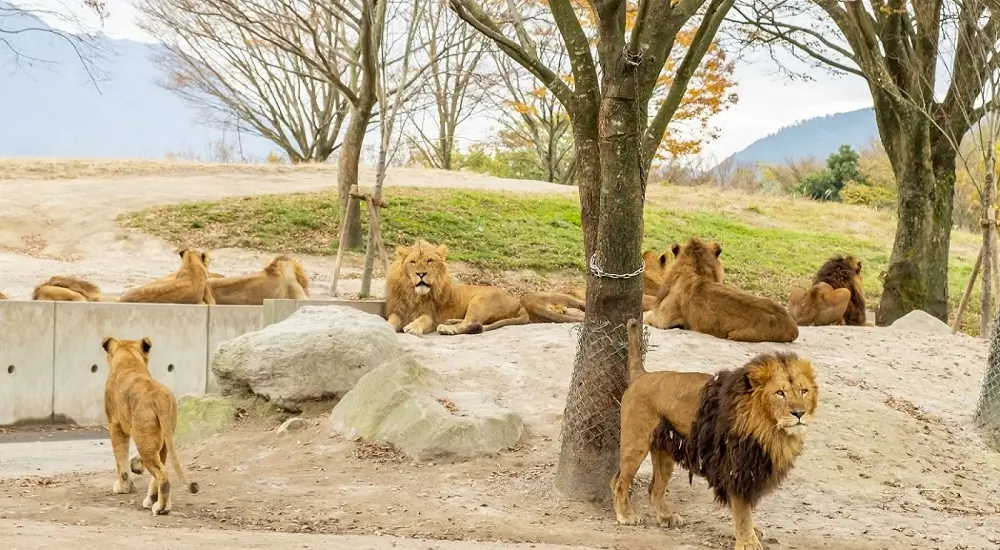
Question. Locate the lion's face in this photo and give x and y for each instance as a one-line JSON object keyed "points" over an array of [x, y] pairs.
{"points": [[703, 257], [783, 390], [425, 265]]}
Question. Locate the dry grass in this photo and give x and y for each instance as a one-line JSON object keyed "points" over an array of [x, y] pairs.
{"points": [[26, 168]]}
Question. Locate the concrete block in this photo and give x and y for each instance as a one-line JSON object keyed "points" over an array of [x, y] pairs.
{"points": [[178, 358], [26, 353], [278, 310], [226, 323]]}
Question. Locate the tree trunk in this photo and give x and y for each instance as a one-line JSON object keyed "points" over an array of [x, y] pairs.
{"points": [[611, 206], [989, 214], [348, 168], [917, 276]]}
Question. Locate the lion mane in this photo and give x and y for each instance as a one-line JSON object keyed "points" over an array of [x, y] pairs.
{"points": [[421, 297], [282, 278], [740, 429], [845, 272], [693, 297], [63, 288], [569, 306], [188, 286], [821, 305], [142, 410]]}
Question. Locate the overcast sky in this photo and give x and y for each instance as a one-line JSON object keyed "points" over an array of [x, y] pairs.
{"points": [[767, 101]]}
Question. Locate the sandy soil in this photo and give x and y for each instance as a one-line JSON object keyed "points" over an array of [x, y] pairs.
{"points": [[66, 226], [892, 460]]}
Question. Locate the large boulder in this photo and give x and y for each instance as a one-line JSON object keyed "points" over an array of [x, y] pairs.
{"points": [[406, 405], [921, 321], [316, 354]]}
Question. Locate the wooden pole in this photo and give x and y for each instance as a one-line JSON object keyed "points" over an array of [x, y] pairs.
{"points": [[343, 243], [968, 292]]}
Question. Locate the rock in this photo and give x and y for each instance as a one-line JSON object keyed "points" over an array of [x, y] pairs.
{"points": [[921, 321], [203, 415], [316, 354], [291, 425], [406, 405]]}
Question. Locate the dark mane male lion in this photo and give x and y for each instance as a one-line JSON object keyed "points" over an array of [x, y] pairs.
{"points": [[143, 410], [740, 429], [693, 297], [845, 272], [421, 297], [569, 306], [821, 305], [282, 277], [64, 288], [188, 286]]}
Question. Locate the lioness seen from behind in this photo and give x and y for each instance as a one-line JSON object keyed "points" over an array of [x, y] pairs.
{"points": [[143, 410]]}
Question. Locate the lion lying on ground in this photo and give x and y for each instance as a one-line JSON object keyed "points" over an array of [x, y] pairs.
{"points": [[188, 286], [740, 429], [821, 305], [63, 288], [845, 272], [569, 306], [3, 296], [282, 277], [693, 297], [421, 297], [143, 410]]}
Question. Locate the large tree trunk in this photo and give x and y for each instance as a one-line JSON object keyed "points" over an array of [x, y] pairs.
{"points": [[917, 276], [348, 168], [591, 421]]}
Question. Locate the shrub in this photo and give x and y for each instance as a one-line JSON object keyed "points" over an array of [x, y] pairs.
{"points": [[867, 195]]}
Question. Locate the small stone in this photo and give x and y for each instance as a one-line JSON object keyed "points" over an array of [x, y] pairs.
{"points": [[291, 425]]}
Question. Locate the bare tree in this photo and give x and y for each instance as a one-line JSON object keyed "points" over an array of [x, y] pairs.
{"points": [[226, 71], [896, 47], [21, 21], [613, 78], [454, 84]]}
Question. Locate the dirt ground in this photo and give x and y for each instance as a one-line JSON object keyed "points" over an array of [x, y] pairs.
{"points": [[891, 461]]}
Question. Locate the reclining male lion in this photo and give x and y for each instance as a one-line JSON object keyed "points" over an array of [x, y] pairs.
{"points": [[64, 288], [143, 410], [569, 306], [189, 285], [421, 297], [819, 306], [282, 277], [740, 429], [693, 297], [844, 272]]}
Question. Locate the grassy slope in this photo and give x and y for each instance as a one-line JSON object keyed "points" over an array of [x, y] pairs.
{"points": [[768, 242]]}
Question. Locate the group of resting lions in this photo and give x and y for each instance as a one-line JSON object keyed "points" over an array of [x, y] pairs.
{"points": [[192, 283], [686, 292]]}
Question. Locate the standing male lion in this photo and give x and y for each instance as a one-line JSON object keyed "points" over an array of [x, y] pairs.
{"points": [[143, 410], [693, 297], [421, 297], [188, 286], [740, 429]]}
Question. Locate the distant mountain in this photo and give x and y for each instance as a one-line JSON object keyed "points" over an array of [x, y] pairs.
{"points": [[55, 111], [815, 137]]}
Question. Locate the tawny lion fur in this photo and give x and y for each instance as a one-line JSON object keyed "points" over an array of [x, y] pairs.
{"points": [[819, 306], [421, 297], [845, 272], [188, 286], [3, 296], [693, 297], [142, 410], [569, 306], [63, 288], [741, 430], [282, 278]]}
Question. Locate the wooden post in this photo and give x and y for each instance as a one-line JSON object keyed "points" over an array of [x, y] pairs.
{"points": [[968, 292], [374, 204]]}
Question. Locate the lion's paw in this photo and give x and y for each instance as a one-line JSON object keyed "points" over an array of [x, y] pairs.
{"points": [[159, 509], [136, 465], [413, 329], [629, 519], [123, 487], [447, 330], [671, 520], [748, 545]]}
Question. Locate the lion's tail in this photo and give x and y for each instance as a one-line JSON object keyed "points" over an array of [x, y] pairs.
{"points": [[635, 368], [168, 427], [521, 319]]}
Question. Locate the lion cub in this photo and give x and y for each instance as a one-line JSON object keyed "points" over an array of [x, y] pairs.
{"points": [[740, 429], [143, 410]]}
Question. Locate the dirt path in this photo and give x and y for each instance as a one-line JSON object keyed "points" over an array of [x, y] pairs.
{"points": [[51, 227]]}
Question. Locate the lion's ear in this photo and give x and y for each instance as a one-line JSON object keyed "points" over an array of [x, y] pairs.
{"points": [[402, 251], [442, 250], [663, 260], [106, 343], [181, 252], [204, 258], [760, 374], [718, 249], [859, 267], [146, 344], [676, 249]]}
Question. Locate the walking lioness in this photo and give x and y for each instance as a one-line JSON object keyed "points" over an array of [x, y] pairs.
{"points": [[143, 410]]}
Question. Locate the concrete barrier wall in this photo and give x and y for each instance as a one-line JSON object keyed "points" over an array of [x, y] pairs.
{"points": [[52, 366]]}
